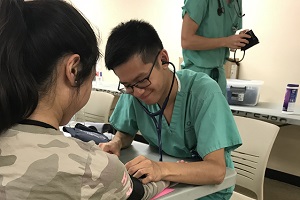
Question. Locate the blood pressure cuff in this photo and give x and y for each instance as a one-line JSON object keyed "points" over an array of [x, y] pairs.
{"points": [[86, 134], [138, 189]]}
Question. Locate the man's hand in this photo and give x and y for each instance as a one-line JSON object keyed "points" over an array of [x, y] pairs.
{"points": [[144, 169], [119, 141], [113, 147]]}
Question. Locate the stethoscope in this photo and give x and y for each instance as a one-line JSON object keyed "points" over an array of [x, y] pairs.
{"points": [[159, 113], [221, 9]]}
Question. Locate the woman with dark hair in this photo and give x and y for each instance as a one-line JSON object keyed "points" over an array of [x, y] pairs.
{"points": [[48, 55]]}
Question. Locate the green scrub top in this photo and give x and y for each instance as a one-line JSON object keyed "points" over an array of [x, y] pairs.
{"points": [[211, 25], [201, 121]]}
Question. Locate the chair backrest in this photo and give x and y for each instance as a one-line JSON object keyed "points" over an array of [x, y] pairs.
{"points": [[97, 108], [251, 158]]}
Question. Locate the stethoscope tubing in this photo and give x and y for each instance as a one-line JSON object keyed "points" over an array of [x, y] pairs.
{"points": [[159, 113]]}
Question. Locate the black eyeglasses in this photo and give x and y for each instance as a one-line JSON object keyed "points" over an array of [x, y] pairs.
{"points": [[129, 89]]}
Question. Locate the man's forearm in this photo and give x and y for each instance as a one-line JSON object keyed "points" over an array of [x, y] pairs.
{"points": [[198, 173], [211, 170]]}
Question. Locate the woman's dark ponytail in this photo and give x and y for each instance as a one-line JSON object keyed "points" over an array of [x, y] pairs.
{"points": [[34, 37], [18, 95]]}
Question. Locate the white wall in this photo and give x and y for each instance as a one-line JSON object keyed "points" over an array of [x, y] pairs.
{"points": [[275, 60], [164, 15]]}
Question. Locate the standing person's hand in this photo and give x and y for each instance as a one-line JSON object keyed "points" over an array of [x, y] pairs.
{"points": [[145, 169], [237, 41], [244, 31]]}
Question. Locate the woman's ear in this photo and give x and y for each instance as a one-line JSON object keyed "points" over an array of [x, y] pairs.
{"points": [[72, 68]]}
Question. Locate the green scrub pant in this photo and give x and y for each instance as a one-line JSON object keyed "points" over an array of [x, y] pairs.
{"points": [[218, 74]]}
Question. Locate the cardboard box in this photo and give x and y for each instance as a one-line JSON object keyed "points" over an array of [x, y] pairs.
{"points": [[231, 70], [179, 63]]}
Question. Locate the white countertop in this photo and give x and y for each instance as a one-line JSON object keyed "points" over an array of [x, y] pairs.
{"points": [[181, 191]]}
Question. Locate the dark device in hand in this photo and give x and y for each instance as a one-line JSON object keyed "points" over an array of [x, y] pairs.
{"points": [[86, 134], [252, 41]]}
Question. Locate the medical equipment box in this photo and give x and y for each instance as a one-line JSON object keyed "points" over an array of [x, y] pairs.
{"points": [[243, 92]]}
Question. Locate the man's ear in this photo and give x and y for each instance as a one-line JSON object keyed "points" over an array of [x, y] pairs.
{"points": [[73, 66], [164, 59]]}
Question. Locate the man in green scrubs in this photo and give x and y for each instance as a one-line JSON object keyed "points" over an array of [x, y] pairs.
{"points": [[196, 121], [208, 31]]}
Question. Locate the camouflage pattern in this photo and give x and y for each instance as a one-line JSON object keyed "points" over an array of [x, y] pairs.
{"points": [[41, 163]]}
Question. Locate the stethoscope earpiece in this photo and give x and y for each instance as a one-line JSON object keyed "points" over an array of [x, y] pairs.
{"points": [[163, 62]]}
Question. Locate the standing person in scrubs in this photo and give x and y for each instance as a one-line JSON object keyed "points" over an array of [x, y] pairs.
{"points": [[208, 32], [184, 114]]}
